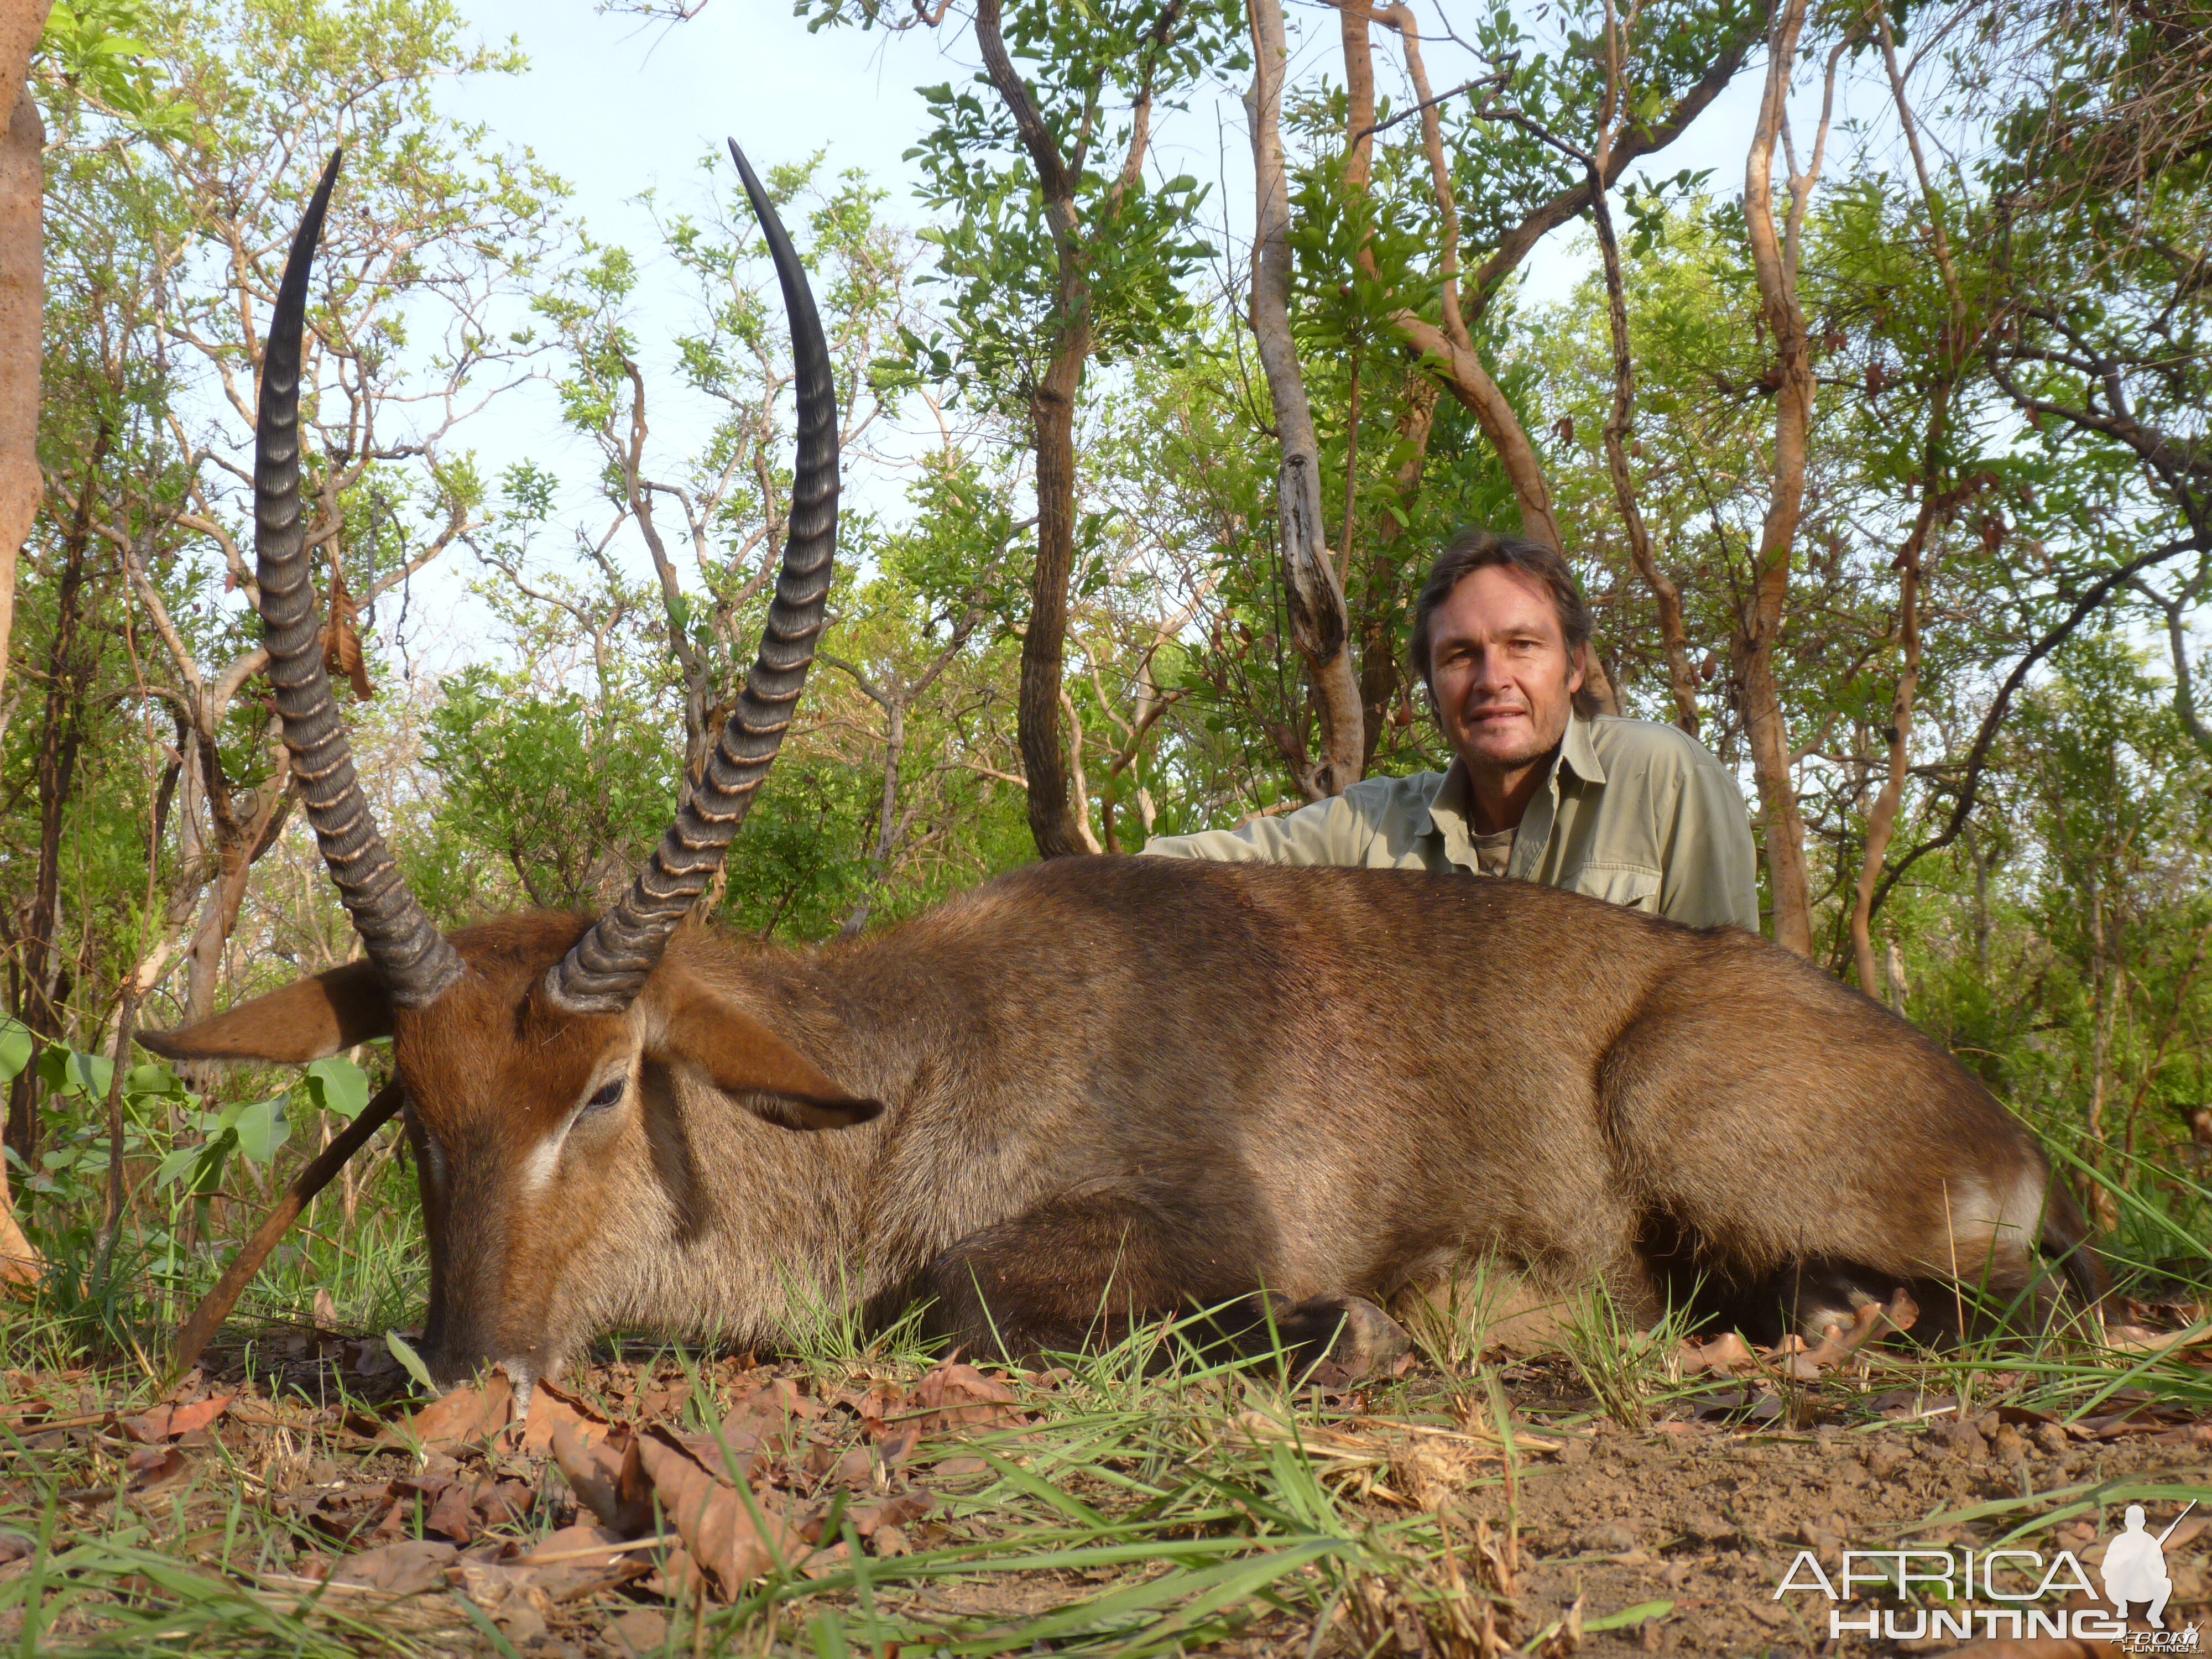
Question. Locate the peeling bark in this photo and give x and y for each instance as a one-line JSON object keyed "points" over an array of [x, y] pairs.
{"points": [[1759, 621], [22, 303], [1881, 822], [1313, 592]]}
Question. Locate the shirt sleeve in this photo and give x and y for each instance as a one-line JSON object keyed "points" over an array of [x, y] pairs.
{"points": [[1333, 831], [1710, 872]]}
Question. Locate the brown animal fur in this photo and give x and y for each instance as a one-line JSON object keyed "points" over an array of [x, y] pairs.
{"points": [[1116, 1088]]}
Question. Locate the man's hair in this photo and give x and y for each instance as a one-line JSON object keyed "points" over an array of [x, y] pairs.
{"points": [[1471, 550]]}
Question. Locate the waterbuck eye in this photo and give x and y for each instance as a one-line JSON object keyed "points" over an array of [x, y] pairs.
{"points": [[606, 1094]]}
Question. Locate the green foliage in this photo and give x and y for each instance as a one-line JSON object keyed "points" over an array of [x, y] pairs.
{"points": [[1117, 264], [563, 790], [101, 48]]}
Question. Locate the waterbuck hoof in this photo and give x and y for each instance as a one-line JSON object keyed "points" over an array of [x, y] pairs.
{"points": [[1356, 1334]]}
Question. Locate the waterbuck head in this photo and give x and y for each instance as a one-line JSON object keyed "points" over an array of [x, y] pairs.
{"points": [[535, 1051]]}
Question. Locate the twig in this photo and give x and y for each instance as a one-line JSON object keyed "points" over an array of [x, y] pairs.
{"points": [[208, 1317]]}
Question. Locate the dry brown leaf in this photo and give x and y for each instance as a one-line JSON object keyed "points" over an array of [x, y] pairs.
{"points": [[404, 1569], [2140, 1339], [641, 1630], [734, 1536], [185, 1418], [956, 1396], [342, 653], [607, 1479], [452, 1515], [551, 1407], [868, 1518], [148, 1428], [154, 1465], [1839, 1344], [666, 1401], [874, 1407], [466, 1416]]}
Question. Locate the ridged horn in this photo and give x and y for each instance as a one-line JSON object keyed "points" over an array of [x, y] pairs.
{"points": [[610, 963], [408, 951]]}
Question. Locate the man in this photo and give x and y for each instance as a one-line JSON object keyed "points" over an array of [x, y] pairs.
{"points": [[1541, 786]]}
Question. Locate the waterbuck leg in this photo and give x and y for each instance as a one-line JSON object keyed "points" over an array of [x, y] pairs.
{"points": [[1084, 1272]]}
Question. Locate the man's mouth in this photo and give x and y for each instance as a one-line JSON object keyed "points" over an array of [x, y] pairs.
{"points": [[1495, 716]]}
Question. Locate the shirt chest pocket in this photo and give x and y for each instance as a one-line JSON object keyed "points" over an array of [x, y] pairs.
{"points": [[1632, 886]]}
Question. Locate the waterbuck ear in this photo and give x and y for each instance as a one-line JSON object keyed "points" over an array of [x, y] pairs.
{"points": [[741, 1056], [308, 1020]]}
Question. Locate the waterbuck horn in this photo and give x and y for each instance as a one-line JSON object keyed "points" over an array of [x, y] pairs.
{"points": [[610, 963], [408, 951]]}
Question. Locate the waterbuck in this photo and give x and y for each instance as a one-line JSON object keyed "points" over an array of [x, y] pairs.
{"points": [[1095, 1091]]}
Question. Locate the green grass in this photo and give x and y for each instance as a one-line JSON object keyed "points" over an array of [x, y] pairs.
{"points": [[1138, 1517]]}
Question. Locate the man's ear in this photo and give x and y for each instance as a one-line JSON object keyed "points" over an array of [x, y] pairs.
{"points": [[308, 1020], [741, 1056], [1577, 668]]}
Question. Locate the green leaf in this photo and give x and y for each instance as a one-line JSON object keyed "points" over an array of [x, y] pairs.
{"points": [[90, 1074], [337, 1085], [261, 1129], [144, 1080], [71, 1075], [1627, 1616], [199, 1167], [16, 1043], [404, 1352]]}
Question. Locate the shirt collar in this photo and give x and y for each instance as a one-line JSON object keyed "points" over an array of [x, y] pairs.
{"points": [[1578, 749], [1450, 813], [1450, 808]]}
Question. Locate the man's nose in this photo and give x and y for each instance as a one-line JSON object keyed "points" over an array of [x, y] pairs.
{"points": [[1490, 671]]}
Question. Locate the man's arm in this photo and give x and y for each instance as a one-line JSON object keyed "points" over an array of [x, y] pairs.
{"points": [[1710, 872], [1332, 831]]}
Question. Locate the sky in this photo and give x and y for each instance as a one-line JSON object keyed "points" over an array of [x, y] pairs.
{"points": [[615, 105]]}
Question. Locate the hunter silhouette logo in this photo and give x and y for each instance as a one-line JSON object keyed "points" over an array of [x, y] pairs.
{"points": [[2134, 1567], [2010, 1592]]}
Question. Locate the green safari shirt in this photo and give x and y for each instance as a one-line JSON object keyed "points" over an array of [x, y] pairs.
{"points": [[1632, 812]]}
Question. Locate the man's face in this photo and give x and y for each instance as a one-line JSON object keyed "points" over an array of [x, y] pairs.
{"points": [[1504, 678]]}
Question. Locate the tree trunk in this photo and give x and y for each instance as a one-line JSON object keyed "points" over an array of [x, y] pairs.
{"points": [[1376, 625], [1052, 415], [1881, 822], [22, 301], [1312, 592], [1380, 670], [1760, 617], [1453, 347], [69, 672], [1681, 678], [240, 842]]}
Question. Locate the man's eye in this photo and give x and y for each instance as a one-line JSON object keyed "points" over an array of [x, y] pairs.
{"points": [[607, 1094]]}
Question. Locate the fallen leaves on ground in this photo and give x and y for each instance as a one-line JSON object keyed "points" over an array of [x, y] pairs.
{"points": [[772, 1477], [173, 1422], [466, 1415]]}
